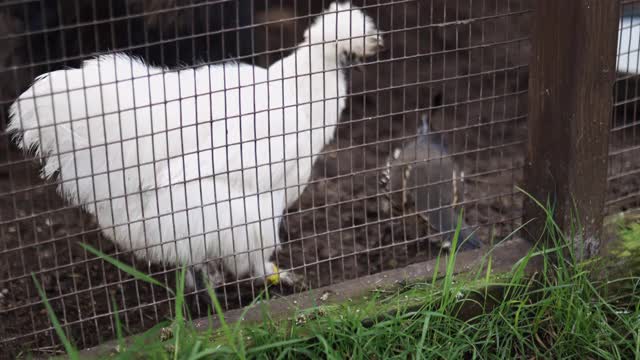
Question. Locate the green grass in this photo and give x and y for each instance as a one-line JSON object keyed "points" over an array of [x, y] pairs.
{"points": [[569, 310], [630, 239]]}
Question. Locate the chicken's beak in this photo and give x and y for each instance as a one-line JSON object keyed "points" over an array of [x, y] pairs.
{"points": [[356, 64]]}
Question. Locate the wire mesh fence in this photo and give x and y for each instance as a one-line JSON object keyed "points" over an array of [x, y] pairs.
{"points": [[450, 87], [623, 182]]}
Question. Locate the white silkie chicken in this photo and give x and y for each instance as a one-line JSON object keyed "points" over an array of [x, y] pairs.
{"points": [[189, 166]]}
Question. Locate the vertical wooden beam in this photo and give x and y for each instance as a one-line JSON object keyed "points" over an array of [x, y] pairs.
{"points": [[571, 78]]}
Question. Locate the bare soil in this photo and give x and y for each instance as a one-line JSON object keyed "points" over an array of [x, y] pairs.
{"points": [[342, 227]]}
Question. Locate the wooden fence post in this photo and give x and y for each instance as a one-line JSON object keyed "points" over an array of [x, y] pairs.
{"points": [[571, 78]]}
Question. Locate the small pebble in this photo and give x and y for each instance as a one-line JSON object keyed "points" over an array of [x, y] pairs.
{"points": [[166, 334], [301, 319]]}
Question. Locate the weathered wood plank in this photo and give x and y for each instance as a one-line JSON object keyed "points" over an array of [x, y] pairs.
{"points": [[572, 74]]}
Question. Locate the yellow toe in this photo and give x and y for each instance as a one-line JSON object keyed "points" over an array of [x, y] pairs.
{"points": [[274, 279]]}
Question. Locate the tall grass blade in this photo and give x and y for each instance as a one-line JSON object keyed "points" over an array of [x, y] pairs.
{"points": [[226, 331], [118, 324], [124, 267], [71, 350]]}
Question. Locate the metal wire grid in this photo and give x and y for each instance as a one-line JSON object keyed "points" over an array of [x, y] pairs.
{"points": [[463, 63], [624, 148]]}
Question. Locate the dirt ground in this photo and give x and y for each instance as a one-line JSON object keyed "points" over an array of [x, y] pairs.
{"points": [[342, 227]]}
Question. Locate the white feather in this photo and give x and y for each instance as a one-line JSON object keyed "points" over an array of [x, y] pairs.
{"points": [[191, 165]]}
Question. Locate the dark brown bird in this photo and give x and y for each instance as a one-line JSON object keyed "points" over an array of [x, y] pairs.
{"points": [[422, 176]]}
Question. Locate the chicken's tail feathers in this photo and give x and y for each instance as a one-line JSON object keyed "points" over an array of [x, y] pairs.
{"points": [[425, 135], [39, 120], [424, 129], [27, 116]]}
